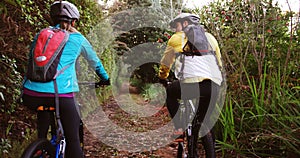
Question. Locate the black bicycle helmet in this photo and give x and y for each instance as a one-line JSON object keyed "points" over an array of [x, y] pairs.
{"points": [[63, 11], [192, 18]]}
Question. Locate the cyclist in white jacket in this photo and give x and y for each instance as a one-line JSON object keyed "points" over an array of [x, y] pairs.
{"points": [[200, 78]]}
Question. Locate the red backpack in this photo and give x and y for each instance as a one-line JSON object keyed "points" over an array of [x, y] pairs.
{"points": [[45, 54]]}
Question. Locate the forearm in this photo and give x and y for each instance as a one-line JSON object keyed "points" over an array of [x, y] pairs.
{"points": [[166, 63], [101, 72]]}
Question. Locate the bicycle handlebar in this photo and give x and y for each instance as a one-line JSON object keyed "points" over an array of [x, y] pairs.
{"points": [[93, 84]]}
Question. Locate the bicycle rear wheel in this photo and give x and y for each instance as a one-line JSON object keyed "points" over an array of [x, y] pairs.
{"points": [[180, 150], [39, 148]]}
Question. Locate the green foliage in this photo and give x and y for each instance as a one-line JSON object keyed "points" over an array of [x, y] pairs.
{"points": [[5, 3], [139, 3], [36, 13], [265, 123], [259, 46], [10, 85], [154, 93], [140, 39], [101, 38], [90, 15], [4, 146], [227, 121], [20, 21], [249, 33]]}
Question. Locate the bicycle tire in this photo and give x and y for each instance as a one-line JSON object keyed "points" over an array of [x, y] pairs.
{"points": [[180, 150], [190, 146], [81, 135], [39, 148], [209, 145]]}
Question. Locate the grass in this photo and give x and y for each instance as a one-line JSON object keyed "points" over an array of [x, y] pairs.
{"points": [[155, 93], [267, 124], [16, 148]]}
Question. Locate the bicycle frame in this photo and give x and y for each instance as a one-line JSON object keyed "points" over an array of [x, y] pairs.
{"points": [[187, 113], [58, 140]]}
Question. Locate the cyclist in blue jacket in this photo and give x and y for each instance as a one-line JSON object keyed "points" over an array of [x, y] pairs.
{"points": [[64, 15]]}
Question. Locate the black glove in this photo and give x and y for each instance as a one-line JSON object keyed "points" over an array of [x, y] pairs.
{"points": [[103, 83]]}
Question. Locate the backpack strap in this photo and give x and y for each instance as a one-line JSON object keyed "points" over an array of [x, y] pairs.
{"points": [[199, 52], [60, 130], [182, 60]]}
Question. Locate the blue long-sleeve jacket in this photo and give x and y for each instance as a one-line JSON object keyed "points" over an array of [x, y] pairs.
{"points": [[67, 81]]}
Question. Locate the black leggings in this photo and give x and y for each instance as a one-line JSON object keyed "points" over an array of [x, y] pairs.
{"points": [[207, 92], [70, 119]]}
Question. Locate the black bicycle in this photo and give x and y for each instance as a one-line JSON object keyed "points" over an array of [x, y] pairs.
{"points": [[54, 147], [187, 112], [45, 148], [188, 121]]}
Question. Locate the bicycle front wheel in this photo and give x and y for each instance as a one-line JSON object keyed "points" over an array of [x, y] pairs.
{"points": [[191, 147], [39, 148]]}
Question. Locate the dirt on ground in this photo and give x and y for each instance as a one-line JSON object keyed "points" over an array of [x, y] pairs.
{"points": [[130, 128], [143, 136]]}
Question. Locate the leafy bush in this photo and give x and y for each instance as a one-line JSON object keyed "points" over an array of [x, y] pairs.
{"points": [[20, 21], [10, 85], [4, 146], [258, 44]]}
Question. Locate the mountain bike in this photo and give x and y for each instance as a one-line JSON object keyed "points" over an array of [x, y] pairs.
{"points": [[54, 147], [187, 112]]}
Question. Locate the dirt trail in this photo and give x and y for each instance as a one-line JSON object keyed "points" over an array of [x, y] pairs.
{"points": [[125, 135], [110, 131]]}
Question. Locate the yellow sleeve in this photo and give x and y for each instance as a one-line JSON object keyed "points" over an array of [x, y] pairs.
{"points": [[174, 46], [215, 46], [166, 62]]}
